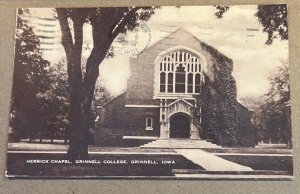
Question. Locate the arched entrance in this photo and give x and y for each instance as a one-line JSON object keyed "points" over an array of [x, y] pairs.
{"points": [[180, 126]]}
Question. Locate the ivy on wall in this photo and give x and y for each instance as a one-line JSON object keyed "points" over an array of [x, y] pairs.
{"points": [[217, 101]]}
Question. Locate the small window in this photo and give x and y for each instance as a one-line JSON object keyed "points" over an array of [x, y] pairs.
{"points": [[149, 123]]}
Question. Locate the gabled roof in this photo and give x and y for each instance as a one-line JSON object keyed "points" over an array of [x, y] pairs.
{"points": [[186, 34], [181, 99], [243, 106], [109, 102]]}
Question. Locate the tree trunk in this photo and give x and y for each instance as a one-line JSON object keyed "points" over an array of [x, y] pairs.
{"points": [[78, 140], [81, 116], [78, 143], [82, 91], [91, 76]]}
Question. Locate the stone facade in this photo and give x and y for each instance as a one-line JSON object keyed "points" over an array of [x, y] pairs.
{"points": [[146, 111]]}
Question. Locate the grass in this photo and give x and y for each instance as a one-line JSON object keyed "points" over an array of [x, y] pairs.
{"points": [[63, 147], [265, 160], [274, 163], [249, 150], [23, 146]]}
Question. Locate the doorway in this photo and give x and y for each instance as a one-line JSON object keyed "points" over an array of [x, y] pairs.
{"points": [[180, 126]]}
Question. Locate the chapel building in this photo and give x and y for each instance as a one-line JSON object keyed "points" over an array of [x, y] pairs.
{"points": [[160, 96]]}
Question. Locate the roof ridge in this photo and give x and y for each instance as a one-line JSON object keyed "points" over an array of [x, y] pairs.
{"points": [[114, 99]]}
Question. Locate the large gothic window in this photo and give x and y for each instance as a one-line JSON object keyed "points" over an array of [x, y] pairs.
{"points": [[180, 72]]}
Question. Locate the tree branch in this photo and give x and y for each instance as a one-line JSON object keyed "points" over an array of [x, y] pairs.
{"points": [[123, 22], [78, 22], [66, 35]]}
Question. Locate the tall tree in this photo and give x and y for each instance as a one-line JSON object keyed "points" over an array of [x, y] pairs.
{"points": [[107, 24], [273, 117], [29, 79], [56, 101]]}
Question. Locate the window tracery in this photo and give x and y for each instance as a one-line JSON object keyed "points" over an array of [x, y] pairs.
{"points": [[180, 72]]}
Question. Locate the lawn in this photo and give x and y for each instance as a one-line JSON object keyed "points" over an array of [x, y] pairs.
{"points": [[24, 146], [259, 159], [271, 163], [250, 150]]}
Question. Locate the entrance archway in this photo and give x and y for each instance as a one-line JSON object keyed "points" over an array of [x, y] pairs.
{"points": [[180, 126]]}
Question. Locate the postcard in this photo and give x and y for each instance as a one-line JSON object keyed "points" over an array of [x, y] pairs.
{"points": [[170, 92]]}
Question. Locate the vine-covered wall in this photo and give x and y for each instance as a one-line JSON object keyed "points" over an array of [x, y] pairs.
{"points": [[218, 101]]}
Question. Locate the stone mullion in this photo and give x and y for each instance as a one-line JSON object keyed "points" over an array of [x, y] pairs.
{"points": [[194, 77], [166, 80], [166, 120], [161, 111], [186, 78], [174, 75]]}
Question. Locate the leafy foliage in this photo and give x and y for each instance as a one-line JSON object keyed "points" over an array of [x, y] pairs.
{"points": [[40, 97], [55, 100], [28, 80], [101, 96], [218, 101], [273, 19], [273, 117], [221, 9]]}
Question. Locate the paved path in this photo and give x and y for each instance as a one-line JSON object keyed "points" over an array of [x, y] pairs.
{"points": [[210, 161]]}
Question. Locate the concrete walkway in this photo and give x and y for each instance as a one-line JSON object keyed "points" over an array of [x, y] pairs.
{"points": [[210, 161]]}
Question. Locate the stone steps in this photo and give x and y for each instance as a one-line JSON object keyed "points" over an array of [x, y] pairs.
{"points": [[180, 143]]}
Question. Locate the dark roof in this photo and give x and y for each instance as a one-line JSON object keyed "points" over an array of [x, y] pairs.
{"points": [[243, 107], [117, 97]]}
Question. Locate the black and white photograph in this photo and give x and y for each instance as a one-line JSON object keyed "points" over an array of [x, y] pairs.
{"points": [[168, 92]]}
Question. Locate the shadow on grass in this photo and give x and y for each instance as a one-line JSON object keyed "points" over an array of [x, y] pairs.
{"points": [[273, 163]]}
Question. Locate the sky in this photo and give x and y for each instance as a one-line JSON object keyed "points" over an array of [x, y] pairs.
{"points": [[253, 60]]}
